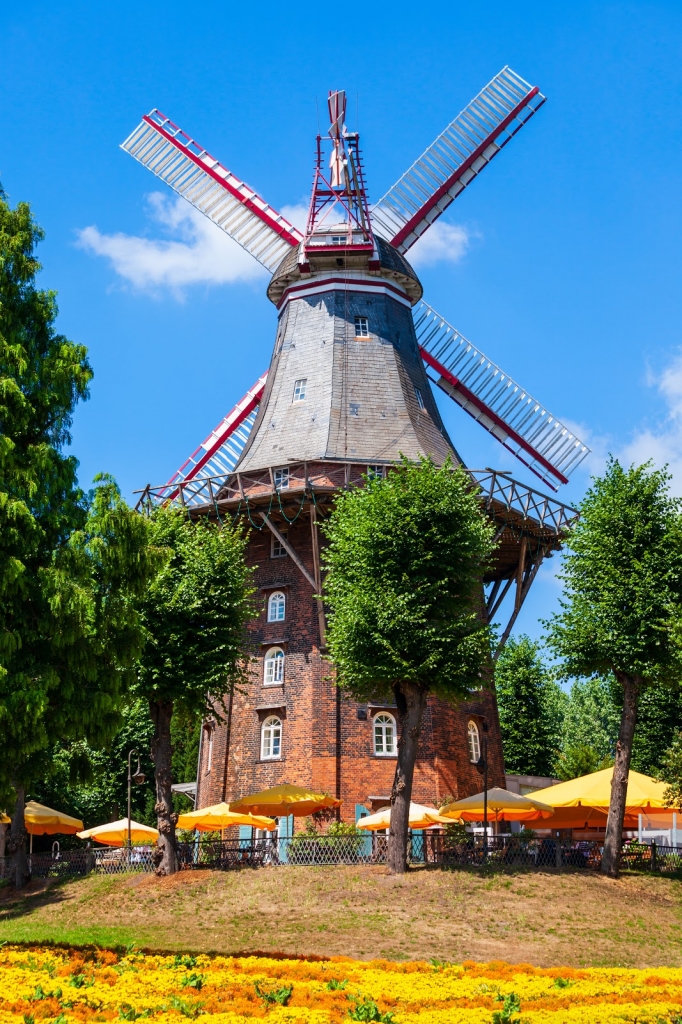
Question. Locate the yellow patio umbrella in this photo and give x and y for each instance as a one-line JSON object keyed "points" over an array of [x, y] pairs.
{"points": [[219, 816], [501, 804], [41, 821], [4, 820], [593, 791], [420, 817], [584, 802], [285, 800], [115, 833]]}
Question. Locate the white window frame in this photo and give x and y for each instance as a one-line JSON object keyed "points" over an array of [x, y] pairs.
{"points": [[277, 549], [383, 723], [375, 472], [273, 667], [281, 478], [271, 739], [361, 327], [420, 399], [339, 239], [473, 742], [299, 389], [277, 602]]}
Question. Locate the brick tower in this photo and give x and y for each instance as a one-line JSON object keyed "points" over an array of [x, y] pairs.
{"points": [[346, 395]]}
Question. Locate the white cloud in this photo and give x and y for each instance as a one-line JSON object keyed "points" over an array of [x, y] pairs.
{"points": [[296, 215], [196, 251], [441, 242], [662, 444]]}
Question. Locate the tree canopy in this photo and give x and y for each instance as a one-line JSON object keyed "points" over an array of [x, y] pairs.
{"points": [[71, 564], [531, 707], [405, 560], [195, 612], [622, 607]]}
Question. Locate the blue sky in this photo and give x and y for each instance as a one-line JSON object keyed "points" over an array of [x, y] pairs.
{"points": [[562, 261]]}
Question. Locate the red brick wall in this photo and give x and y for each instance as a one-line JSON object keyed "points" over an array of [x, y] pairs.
{"points": [[325, 745]]}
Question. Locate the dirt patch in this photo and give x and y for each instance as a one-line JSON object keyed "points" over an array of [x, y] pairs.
{"points": [[364, 913]]}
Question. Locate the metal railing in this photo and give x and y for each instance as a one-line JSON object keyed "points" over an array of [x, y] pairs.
{"points": [[500, 494], [511, 852], [431, 848], [72, 863]]}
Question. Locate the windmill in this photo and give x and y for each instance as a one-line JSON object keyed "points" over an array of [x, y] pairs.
{"points": [[348, 390]]}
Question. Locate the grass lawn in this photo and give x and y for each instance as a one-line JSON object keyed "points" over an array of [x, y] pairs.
{"points": [[543, 919]]}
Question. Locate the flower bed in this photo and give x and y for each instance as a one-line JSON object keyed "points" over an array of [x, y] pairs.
{"points": [[68, 986]]}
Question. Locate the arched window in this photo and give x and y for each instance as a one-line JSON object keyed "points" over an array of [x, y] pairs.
{"points": [[384, 736], [473, 742], [271, 738], [273, 673], [276, 605]]}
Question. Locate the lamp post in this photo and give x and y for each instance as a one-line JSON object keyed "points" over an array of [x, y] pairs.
{"points": [[138, 778]]}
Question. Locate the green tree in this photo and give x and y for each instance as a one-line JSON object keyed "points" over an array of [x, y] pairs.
{"points": [[580, 759], [71, 565], [670, 771], [404, 561], [195, 613], [590, 728], [92, 783], [531, 706], [659, 717], [621, 611]]}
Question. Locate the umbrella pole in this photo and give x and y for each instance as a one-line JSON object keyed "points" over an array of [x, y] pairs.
{"points": [[30, 845]]}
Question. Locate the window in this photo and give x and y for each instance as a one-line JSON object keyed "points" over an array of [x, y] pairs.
{"points": [[355, 408], [420, 400], [299, 389], [375, 472], [339, 239], [273, 671], [276, 606], [209, 730], [361, 327], [384, 736], [271, 739], [473, 743], [281, 478], [277, 549]]}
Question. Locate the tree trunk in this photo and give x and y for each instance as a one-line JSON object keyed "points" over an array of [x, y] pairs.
{"points": [[613, 840], [166, 853], [2, 843], [411, 700], [17, 840]]}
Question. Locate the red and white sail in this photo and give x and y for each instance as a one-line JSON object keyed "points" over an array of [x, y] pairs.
{"points": [[452, 162], [210, 187], [219, 453], [496, 401]]}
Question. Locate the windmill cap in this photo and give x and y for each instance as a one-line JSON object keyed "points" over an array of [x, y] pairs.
{"points": [[391, 265]]}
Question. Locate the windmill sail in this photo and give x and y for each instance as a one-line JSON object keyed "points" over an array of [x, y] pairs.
{"points": [[219, 453], [218, 193], [497, 402], [466, 146]]}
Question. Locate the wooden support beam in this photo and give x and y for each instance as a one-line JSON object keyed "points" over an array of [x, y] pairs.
{"points": [[321, 618], [521, 595], [505, 591], [289, 550], [520, 570], [491, 597]]}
